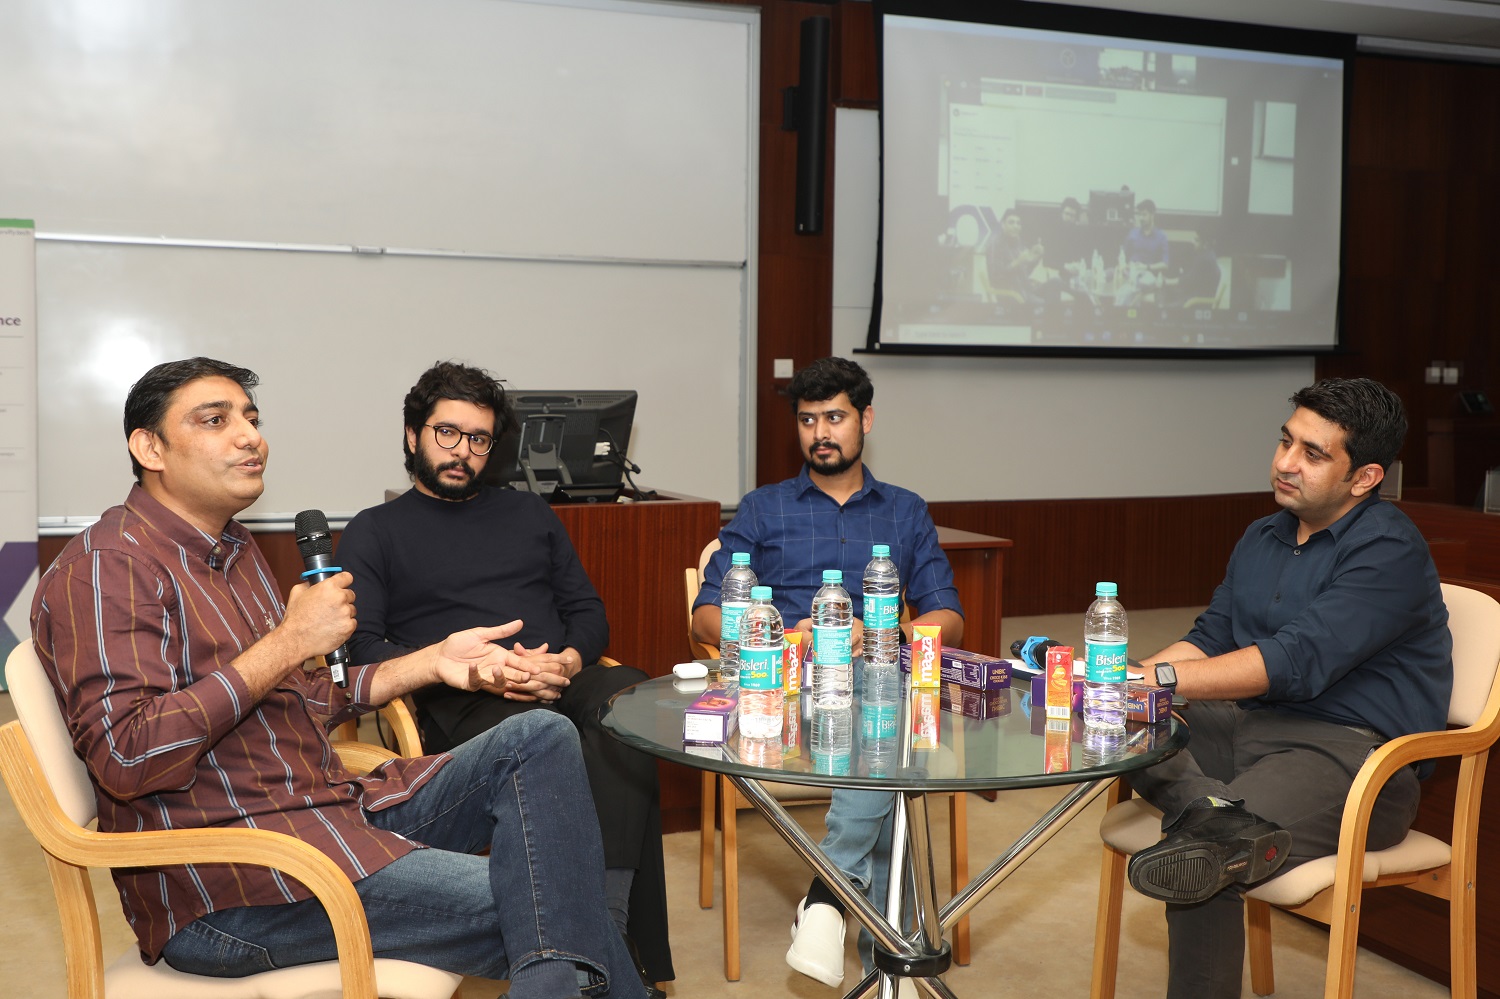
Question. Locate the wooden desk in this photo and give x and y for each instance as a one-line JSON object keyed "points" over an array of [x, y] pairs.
{"points": [[978, 562], [1459, 452]]}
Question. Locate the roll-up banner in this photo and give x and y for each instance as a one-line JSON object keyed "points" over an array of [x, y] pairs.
{"points": [[18, 432]]}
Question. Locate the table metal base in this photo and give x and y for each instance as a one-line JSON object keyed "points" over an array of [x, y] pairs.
{"points": [[922, 955]]}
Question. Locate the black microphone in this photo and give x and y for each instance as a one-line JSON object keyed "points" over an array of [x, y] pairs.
{"points": [[316, 545], [1033, 651]]}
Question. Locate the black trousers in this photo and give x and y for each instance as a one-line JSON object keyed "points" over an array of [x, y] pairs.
{"points": [[1288, 768], [627, 795]]}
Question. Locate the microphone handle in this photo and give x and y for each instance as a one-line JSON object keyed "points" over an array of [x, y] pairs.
{"points": [[337, 660]]}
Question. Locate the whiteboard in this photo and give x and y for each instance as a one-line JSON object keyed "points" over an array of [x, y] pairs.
{"points": [[559, 192]]}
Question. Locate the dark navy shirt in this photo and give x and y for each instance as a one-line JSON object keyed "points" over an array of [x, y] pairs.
{"points": [[793, 531], [1351, 623]]}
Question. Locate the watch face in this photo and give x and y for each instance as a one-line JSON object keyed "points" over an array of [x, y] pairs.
{"points": [[1166, 676]]}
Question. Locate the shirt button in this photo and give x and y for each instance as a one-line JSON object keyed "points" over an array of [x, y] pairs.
{"points": [[1296, 551]]}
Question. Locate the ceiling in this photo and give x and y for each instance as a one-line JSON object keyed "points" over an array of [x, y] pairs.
{"points": [[1456, 28]]}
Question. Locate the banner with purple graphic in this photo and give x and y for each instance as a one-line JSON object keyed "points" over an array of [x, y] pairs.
{"points": [[18, 458]]}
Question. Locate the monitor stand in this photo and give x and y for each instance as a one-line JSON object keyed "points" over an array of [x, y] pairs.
{"points": [[543, 458]]}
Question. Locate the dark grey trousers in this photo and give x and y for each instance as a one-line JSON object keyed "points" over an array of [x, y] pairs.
{"points": [[1294, 771]]}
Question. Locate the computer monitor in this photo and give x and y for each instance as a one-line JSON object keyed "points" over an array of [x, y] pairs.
{"points": [[570, 446]]}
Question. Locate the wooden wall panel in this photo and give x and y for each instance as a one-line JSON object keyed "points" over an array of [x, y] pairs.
{"points": [[1164, 552], [856, 74], [1422, 194]]}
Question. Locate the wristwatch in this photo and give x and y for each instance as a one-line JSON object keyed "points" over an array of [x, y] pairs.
{"points": [[1166, 676]]}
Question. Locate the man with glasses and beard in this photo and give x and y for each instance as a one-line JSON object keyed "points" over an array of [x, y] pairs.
{"points": [[828, 517], [450, 549]]}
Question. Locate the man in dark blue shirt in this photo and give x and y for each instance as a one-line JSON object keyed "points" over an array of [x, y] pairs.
{"points": [[827, 518], [1327, 637]]}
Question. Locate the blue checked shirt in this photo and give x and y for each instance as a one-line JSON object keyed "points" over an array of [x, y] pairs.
{"points": [[793, 531]]}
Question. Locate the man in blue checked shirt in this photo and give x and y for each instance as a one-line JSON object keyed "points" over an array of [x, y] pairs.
{"points": [[828, 517]]}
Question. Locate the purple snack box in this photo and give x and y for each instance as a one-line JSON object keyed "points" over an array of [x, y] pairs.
{"points": [[711, 719]]}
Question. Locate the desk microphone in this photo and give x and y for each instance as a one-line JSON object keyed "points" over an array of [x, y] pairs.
{"points": [[316, 545], [1033, 651]]}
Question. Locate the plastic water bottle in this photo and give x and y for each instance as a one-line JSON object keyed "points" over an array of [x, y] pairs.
{"points": [[882, 610], [877, 733], [767, 753], [1102, 745], [734, 597], [833, 626], [832, 739], [761, 643], [1105, 634]]}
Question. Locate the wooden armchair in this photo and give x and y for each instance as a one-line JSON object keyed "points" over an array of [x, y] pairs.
{"points": [[51, 788], [1330, 889]]}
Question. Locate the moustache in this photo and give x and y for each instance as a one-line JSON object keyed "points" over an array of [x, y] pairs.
{"points": [[828, 444], [457, 463]]}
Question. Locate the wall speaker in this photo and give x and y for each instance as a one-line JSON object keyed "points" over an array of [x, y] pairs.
{"points": [[805, 111]]}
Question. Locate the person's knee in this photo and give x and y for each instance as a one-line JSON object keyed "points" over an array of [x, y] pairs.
{"points": [[616, 678], [545, 729], [531, 733]]}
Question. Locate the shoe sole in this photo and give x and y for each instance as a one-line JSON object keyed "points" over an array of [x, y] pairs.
{"points": [[1195, 872]]}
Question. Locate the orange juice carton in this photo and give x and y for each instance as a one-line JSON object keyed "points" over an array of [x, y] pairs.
{"points": [[926, 656], [1058, 749], [1059, 680], [972, 669], [791, 662], [974, 702], [711, 719], [925, 705]]}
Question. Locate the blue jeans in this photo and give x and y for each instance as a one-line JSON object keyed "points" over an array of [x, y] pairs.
{"points": [[859, 844], [519, 790]]}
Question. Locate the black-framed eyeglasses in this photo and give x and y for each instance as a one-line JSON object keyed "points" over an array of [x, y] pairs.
{"points": [[448, 437]]}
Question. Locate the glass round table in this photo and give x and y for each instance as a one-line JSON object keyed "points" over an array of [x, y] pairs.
{"points": [[944, 739]]}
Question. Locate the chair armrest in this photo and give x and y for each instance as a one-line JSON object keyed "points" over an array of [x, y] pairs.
{"points": [[397, 714], [1384, 762], [67, 841], [362, 757]]}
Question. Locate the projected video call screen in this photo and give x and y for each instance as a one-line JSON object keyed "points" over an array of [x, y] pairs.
{"points": [[1049, 190]]}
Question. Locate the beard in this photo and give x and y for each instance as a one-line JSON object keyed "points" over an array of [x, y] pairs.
{"points": [[430, 476], [840, 462]]}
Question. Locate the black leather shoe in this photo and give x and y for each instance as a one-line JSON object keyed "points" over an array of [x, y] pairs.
{"points": [[1207, 850], [652, 992]]}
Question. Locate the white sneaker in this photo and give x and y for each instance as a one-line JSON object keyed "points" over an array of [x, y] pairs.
{"points": [[818, 943]]}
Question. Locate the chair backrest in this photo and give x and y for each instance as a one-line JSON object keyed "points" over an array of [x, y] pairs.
{"points": [[42, 720], [692, 583], [1474, 621], [704, 556]]}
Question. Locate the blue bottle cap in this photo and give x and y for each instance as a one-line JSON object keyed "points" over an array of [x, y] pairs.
{"points": [[760, 593], [740, 558], [1106, 590], [881, 551], [833, 575]]}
